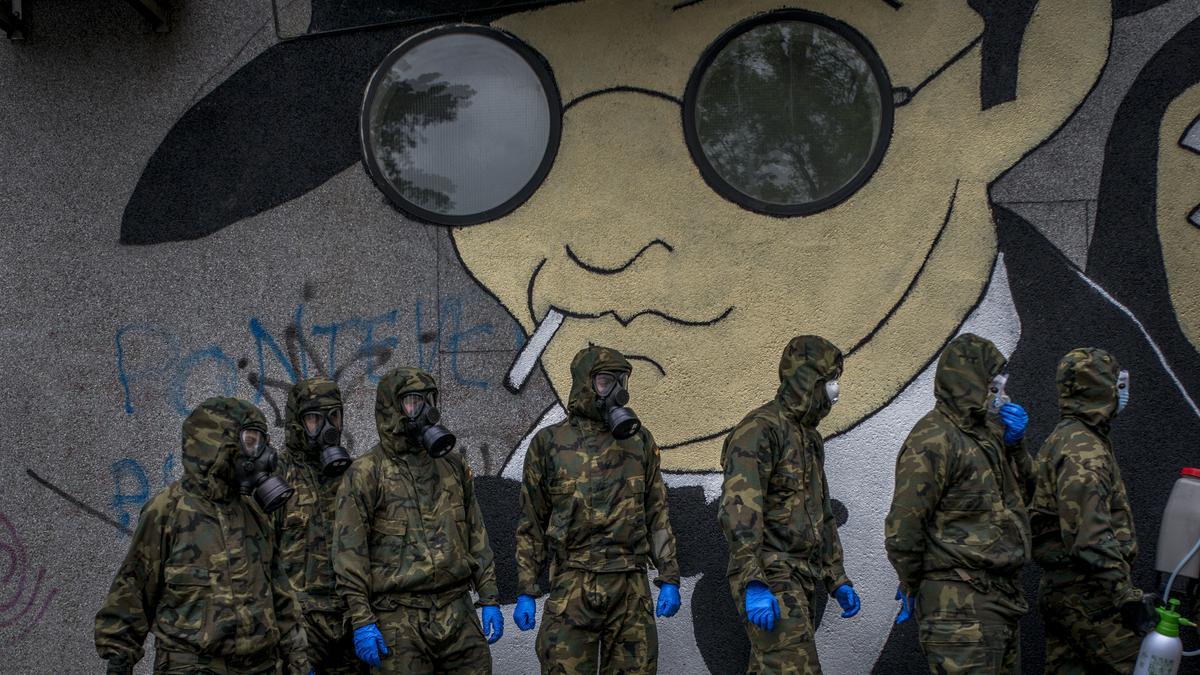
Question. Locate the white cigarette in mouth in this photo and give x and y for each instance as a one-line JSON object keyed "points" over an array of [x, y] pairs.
{"points": [[528, 357]]}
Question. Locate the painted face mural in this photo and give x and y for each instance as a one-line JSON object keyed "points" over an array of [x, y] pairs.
{"points": [[703, 281]]}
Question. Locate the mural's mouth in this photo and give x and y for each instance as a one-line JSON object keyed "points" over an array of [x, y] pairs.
{"points": [[626, 320]]}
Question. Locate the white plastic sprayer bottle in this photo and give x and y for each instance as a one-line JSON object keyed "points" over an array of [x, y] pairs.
{"points": [[1162, 649]]}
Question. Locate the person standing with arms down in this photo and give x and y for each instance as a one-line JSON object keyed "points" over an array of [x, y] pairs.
{"points": [[312, 463], [409, 543], [592, 495], [203, 571], [777, 516], [1082, 525], [958, 529]]}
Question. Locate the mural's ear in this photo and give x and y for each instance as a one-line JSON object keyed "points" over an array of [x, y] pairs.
{"points": [[279, 127], [1062, 52]]}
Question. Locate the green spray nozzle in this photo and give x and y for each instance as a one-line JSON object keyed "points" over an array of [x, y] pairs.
{"points": [[1169, 620]]}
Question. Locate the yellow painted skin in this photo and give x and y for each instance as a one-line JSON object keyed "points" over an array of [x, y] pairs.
{"points": [[1178, 195], [624, 177]]}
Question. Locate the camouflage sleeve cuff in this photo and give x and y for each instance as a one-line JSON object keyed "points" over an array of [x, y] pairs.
{"points": [[1128, 593], [666, 579], [532, 590], [834, 583], [488, 596], [360, 613]]}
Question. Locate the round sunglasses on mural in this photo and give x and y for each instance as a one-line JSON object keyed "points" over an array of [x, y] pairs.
{"points": [[787, 113]]}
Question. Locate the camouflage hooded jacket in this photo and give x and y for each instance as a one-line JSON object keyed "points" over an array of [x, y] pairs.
{"points": [[775, 509], [589, 500], [961, 493], [408, 529], [203, 570], [1081, 518], [305, 523]]}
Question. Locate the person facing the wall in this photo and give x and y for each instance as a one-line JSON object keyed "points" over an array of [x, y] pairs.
{"points": [[204, 571], [410, 544], [593, 496], [1082, 526], [776, 513], [958, 530], [312, 463]]}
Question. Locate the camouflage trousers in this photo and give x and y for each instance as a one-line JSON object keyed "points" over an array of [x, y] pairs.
{"points": [[603, 620], [331, 644], [788, 649], [1079, 639], [179, 663], [971, 627], [428, 640]]}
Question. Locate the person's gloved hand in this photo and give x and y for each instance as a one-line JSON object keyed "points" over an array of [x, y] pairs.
{"points": [[668, 600], [1139, 616], [762, 609], [906, 605], [118, 667], [1015, 420], [369, 645], [848, 599], [493, 623], [525, 613]]}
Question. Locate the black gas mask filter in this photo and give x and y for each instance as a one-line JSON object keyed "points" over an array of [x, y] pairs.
{"points": [[421, 417], [253, 468], [324, 431], [612, 398]]}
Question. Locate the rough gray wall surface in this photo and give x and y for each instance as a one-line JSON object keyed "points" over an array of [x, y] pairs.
{"points": [[106, 347]]}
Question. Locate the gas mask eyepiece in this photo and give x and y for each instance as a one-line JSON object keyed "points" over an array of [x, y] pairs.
{"points": [[833, 391], [612, 397], [996, 398], [421, 424], [324, 430], [1122, 390], [253, 471]]}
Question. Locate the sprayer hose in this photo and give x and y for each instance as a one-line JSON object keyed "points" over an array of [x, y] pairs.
{"points": [[1171, 582]]}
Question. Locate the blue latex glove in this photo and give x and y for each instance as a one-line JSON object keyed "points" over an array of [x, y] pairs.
{"points": [[493, 623], [906, 606], [1015, 420], [668, 600], [525, 615], [369, 646], [848, 599], [762, 609]]}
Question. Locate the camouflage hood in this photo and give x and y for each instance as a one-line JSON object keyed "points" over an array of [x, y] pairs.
{"points": [[389, 415], [964, 374], [311, 394], [808, 362], [588, 362], [1087, 386], [210, 444]]}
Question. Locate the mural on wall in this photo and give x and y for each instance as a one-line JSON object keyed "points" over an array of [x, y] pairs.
{"points": [[670, 208]]}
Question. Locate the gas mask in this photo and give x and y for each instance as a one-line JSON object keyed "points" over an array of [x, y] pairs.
{"points": [[611, 399], [996, 398], [253, 467], [833, 391], [1122, 390], [421, 423], [324, 430]]}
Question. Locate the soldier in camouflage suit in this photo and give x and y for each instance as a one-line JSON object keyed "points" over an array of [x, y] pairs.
{"points": [[203, 572], [1083, 527], [305, 529], [776, 514], [597, 505], [410, 545], [958, 530]]}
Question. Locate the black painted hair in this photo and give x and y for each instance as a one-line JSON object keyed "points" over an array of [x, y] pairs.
{"points": [[1125, 255]]}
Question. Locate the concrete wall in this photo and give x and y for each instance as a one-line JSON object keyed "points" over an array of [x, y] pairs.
{"points": [[1037, 192]]}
